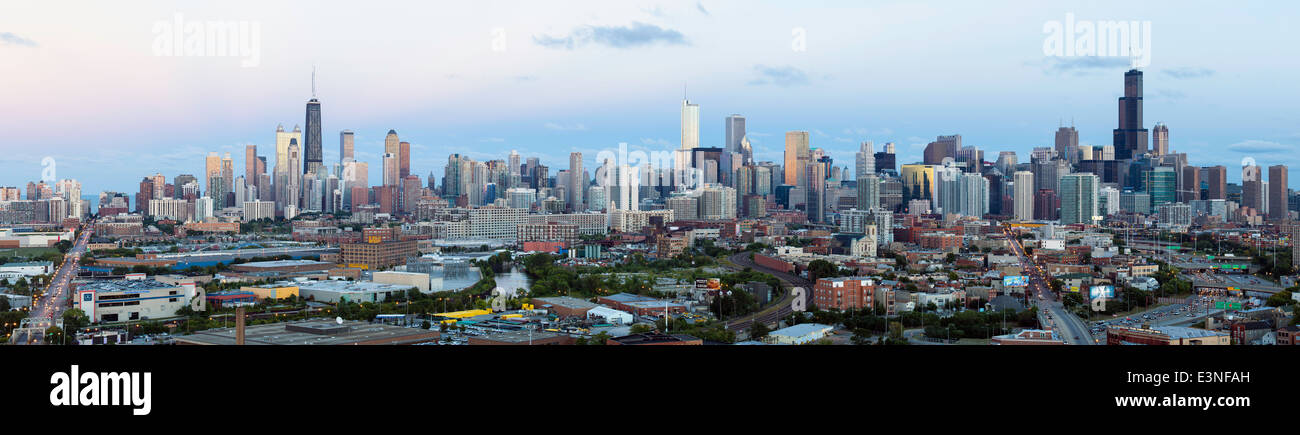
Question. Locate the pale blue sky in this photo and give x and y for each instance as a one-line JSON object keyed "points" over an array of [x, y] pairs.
{"points": [[82, 83]]}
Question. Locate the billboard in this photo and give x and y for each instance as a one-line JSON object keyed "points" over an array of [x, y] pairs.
{"points": [[1105, 291], [708, 284], [1015, 281]]}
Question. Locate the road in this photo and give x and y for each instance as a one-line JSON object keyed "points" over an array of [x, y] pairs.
{"points": [[778, 310], [1068, 326], [47, 310]]}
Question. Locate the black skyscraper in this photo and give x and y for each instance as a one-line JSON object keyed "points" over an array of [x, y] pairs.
{"points": [[312, 159], [1131, 136]]}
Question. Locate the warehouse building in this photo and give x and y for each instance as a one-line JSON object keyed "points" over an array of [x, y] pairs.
{"points": [[564, 306], [321, 332], [802, 333], [131, 299], [333, 291], [407, 279]]}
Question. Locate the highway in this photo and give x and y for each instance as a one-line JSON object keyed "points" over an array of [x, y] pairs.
{"points": [[47, 310], [778, 310], [1067, 326]]}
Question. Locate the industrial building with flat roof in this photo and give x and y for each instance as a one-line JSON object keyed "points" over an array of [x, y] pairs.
{"points": [[521, 338], [1166, 335], [321, 332], [332, 291], [564, 306], [131, 299], [802, 333]]}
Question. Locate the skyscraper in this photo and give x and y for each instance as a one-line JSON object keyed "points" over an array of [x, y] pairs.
{"points": [[1190, 183], [1161, 183], [1216, 179], [866, 161], [690, 125], [796, 157], [1024, 195], [1078, 195], [250, 163], [403, 160], [868, 192], [212, 168], [816, 192], [577, 181], [1130, 138], [943, 147], [735, 132], [690, 140], [1252, 194], [346, 146], [391, 143], [1278, 209], [312, 147], [1160, 139], [1067, 144], [391, 170], [1006, 162]]}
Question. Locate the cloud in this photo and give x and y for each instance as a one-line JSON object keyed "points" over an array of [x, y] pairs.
{"points": [[635, 35], [1081, 65], [700, 6], [780, 76], [559, 127], [525, 78], [1260, 147], [12, 39], [1188, 73], [1169, 94]]}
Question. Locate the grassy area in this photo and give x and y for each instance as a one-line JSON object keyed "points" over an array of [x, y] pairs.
{"points": [[25, 252]]}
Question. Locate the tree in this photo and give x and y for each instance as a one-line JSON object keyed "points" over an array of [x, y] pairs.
{"points": [[758, 330], [75, 319], [54, 335], [4, 304], [641, 328]]}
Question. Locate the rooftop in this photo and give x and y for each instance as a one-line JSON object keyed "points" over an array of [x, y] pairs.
{"points": [[124, 285], [284, 263], [801, 329], [313, 332], [567, 302], [350, 286]]}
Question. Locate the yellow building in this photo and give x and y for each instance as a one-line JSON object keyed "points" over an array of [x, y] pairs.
{"points": [[276, 292], [919, 182]]}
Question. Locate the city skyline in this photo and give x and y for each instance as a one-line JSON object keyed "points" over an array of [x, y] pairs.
{"points": [[636, 108]]}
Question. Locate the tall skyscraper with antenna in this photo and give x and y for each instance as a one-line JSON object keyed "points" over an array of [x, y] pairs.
{"points": [[1130, 138], [312, 157]]}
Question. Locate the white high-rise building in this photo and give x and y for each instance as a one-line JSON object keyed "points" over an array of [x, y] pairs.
{"points": [[690, 141], [203, 209], [1023, 182], [521, 197], [866, 160], [717, 202], [577, 181], [1108, 200], [974, 195], [254, 210], [735, 134]]}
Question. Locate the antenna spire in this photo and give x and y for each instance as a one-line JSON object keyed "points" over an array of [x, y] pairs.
{"points": [[313, 82]]}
